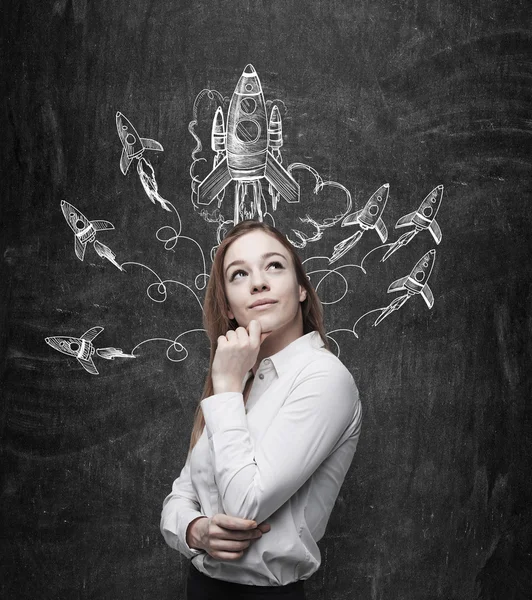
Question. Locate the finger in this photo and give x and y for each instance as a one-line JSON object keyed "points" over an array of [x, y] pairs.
{"points": [[230, 335], [228, 522], [264, 527], [255, 329], [227, 555], [234, 535], [230, 545], [242, 334]]}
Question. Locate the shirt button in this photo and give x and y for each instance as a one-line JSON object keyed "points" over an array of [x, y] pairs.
{"points": [[261, 376], [267, 361]]}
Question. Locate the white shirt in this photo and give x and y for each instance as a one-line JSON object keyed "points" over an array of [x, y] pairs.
{"points": [[282, 459]]}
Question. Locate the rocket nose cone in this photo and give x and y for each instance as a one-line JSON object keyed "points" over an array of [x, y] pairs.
{"points": [[219, 115], [250, 70]]}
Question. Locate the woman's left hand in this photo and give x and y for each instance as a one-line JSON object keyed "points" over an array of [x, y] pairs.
{"points": [[236, 354]]}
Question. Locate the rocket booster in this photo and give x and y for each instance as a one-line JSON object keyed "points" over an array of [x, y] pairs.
{"points": [[218, 132], [275, 131]]}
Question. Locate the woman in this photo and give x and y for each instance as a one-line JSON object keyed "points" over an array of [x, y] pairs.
{"points": [[274, 433]]}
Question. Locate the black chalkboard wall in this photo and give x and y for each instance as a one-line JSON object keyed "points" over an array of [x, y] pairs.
{"points": [[414, 94]]}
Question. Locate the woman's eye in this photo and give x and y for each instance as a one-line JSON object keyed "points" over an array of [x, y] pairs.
{"points": [[236, 273], [276, 263]]}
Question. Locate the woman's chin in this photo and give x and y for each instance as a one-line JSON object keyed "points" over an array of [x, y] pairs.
{"points": [[267, 324]]}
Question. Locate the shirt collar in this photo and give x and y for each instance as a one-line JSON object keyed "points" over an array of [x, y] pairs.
{"points": [[283, 359]]}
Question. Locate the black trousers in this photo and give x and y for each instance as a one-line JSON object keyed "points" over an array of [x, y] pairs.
{"points": [[202, 587]]}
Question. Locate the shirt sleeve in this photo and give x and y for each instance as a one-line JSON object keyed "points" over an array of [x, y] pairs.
{"points": [[254, 481], [180, 507]]}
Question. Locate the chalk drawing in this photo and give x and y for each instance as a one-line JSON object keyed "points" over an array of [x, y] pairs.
{"points": [[159, 286], [369, 217], [247, 151], [424, 218], [133, 147], [319, 226], [147, 178], [83, 349], [104, 251], [329, 272], [416, 283], [246, 141], [85, 232], [174, 346]]}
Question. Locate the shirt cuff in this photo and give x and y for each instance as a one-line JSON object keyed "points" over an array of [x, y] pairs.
{"points": [[174, 530], [191, 551], [223, 412]]}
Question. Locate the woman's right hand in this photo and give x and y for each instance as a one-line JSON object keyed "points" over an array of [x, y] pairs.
{"points": [[224, 537]]}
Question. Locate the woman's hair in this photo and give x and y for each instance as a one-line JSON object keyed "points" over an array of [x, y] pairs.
{"points": [[216, 321]]}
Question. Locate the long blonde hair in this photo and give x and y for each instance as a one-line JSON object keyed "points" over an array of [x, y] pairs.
{"points": [[215, 318]]}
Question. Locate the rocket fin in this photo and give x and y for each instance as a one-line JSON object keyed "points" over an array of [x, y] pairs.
{"points": [[89, 335], [124, 161], [214, 183], [281, 180], [380, 228], [102, 225], [398, 285], [151, 144], [406, 220], [435, 230], [88, 365], [352, 218], [79, 247], [427, 295]]}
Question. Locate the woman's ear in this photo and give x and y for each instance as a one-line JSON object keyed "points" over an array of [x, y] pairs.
{"points": [[302, 293], [230, 314]]}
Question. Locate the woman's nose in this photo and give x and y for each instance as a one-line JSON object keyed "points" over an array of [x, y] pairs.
{"points": [[258, 282]]}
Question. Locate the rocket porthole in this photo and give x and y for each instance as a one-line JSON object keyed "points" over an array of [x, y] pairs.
{"points": [[419, 276], [80, 224], [248, 106], [427, 211], [373, 210], [249, 87], [248, 131], [130, 139], [74, 347]]}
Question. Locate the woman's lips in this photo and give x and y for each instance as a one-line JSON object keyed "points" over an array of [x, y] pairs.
{"points": [[263, 306]]}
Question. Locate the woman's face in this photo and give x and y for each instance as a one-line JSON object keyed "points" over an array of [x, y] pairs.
{"points": [[258, 267]]}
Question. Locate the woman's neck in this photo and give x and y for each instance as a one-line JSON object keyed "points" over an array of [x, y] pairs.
{"points": [[279, 339]]}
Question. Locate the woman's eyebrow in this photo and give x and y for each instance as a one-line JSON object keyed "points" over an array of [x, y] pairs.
{"points": [[263, 257]]}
